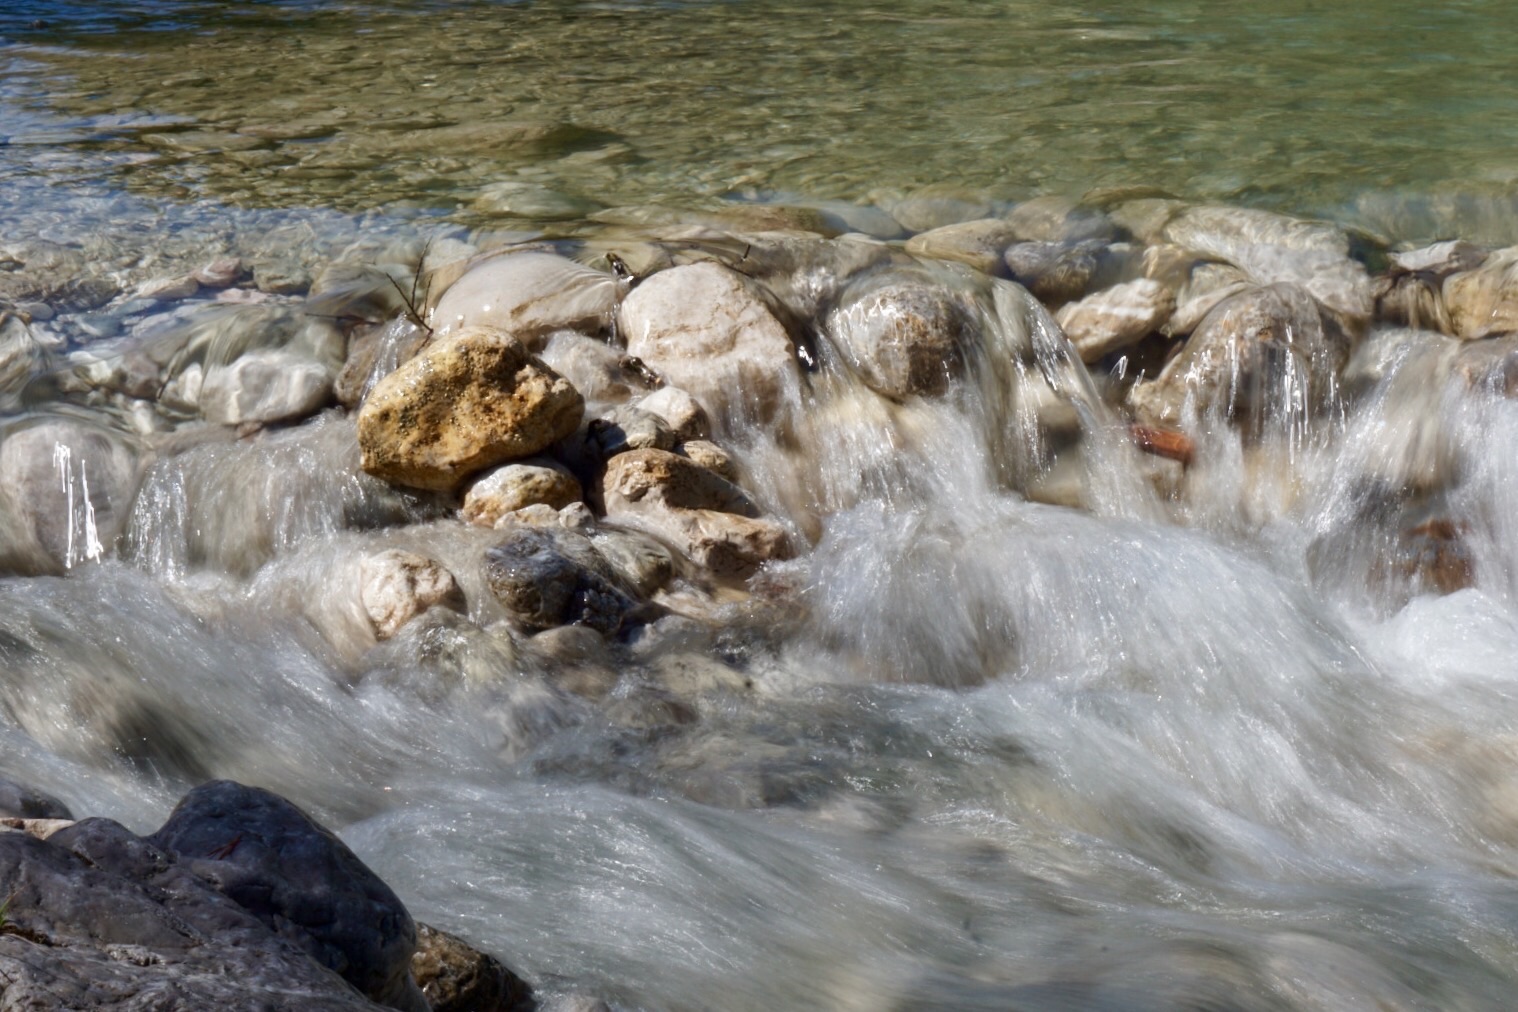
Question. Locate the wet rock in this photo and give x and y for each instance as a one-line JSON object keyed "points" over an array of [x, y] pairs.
{"points": [[21, 802], [66, 491], [708, 518], [514, 486], [1206, 284], [602, 373], [902, 332], [1484, 302], [456, 977], [397, 586], [281, 277], [461, 406], [1226, 233], [1055, 273], [546, 577], [710, 456], [1261, 356], [263, 386], [629, 428], [1116, 318], [682, 412], [220, 273], [1440, 259], [99, 918], [169, 289], [577, 660], [528, 295], [640, 562], [22, 356], [530, 200], [935, 206], [708, 332], [1432, 556], [302, 882], [1053, 218], [981, 244]]}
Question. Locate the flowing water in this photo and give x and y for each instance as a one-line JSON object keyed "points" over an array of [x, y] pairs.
{"points": [[969, 750]]}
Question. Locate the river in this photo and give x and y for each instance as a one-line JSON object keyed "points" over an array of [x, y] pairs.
{"points": [[983, 744]]}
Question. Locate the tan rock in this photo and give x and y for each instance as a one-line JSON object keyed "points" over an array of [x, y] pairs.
{"points": [[707, 517], [397, 586], [461, 406], [977, 243], [1054, 218], [517, 485], [1484, 302], [710, 456], [1116, 318], [680, 410], [708, 332]]}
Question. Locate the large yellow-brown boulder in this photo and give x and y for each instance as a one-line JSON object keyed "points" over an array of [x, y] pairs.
{"points": [[471, 402]]}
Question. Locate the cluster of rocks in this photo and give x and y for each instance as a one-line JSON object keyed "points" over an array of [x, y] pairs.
{"points": [[239, 901]]}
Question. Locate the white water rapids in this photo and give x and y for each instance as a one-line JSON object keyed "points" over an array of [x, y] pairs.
{"points": [[1154, 753]]}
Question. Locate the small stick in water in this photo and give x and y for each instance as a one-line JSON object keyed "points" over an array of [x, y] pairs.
{"points": [[1167, 443]]}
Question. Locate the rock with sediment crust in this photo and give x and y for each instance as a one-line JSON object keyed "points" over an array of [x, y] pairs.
{"points": [[461, 406], [398, 585], [980, 243], [711, 520], [1484, 302], [710, 456], [515, 486], [529, 295], [1116, 318], [708, 332]]}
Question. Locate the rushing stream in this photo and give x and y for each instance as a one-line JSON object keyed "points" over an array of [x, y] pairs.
{"points": [[1032, 720]]}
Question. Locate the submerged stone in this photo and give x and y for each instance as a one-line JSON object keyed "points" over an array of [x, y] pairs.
{"points": [[980, 244], [546, 577], [528, 295]]}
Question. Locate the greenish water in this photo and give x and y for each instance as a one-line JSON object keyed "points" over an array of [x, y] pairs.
{"points": [[1299, 106]]}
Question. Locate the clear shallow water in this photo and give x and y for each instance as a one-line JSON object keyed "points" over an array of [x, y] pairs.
{"points": [[1306, 107], [1002, 754]]}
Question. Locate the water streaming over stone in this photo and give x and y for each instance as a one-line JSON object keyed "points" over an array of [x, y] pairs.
{"points": [[1178, 677]]}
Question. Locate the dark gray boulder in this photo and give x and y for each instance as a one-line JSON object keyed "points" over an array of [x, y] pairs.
{"points": [[100, 919], [301, 881]]}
